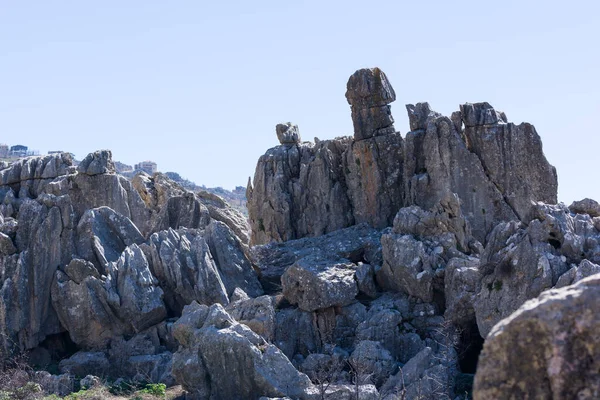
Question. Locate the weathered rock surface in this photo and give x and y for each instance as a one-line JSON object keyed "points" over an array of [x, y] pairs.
{"points": [[586, 206], [369, 94], [183, 264], [125, 301], [313, 284], [548, 348], [495, 168], [511, 155], [356, 244], [222, 359], [519, 262], [288, 133]]}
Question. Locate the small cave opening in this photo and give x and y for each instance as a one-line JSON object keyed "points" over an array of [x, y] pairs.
{"points": [[469, 347], [554, 242], [53, 349]]}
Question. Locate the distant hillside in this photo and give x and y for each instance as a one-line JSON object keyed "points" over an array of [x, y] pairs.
{"points": [[236, 197]]}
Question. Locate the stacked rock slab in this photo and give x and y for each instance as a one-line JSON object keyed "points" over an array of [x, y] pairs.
{"points": [[496, 168], [369, 94]]}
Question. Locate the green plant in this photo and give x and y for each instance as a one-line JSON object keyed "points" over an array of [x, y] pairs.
{"points": [[155, 389]]}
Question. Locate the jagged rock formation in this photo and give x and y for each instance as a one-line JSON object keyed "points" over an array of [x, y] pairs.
{"points": [[376, 266], [80, 257], [495, 168]]}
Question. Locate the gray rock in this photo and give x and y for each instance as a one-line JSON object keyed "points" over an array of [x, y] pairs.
{"points": [[220, 210], [419, 114], [357, 244], [60, 385], [126, 301], [365, 279], [512, 157], [314, 284], [156, 368], [439, 162], [305, 191], [224, 360], [77, 270], [84, 363], [296, 333], [461, 285], [369, 92], [185, 268], [89, 381], [97, 163], [257, 314], [519, 262], [372, 359], [536, 353], [7, 247], [586, 206], [29, 176], [407, 266], [288, 133], [229, 254], [480, 114]]}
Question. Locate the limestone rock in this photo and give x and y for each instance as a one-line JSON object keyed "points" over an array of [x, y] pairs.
{"points": [[220, 210], [372, 359], [60, 385], [229, 254], [125, 301], [305, 190], [462, 282], [257, 314], [29, 176], [83, 363], [586, 206], [314, 284], [224, 360], [519, 262], [512, 157], [480, 114], [288, 133], [369, 92], [419, 115], [357, 244], [183, 264], [548, 348], [438, 162], [97, 163]]}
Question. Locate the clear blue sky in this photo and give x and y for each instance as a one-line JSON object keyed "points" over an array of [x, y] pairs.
{"points": [[198, 86]]}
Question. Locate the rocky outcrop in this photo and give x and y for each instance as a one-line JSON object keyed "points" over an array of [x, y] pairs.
{"points": [[511, 155], [519, 262], [288, 133], [369, 94], [548, 348], [125, 301], [69, 250], [495, 168]]}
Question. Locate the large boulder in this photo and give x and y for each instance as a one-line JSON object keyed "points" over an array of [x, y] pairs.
{"points": [[222, 359], [548, 348], [313, 283]]}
